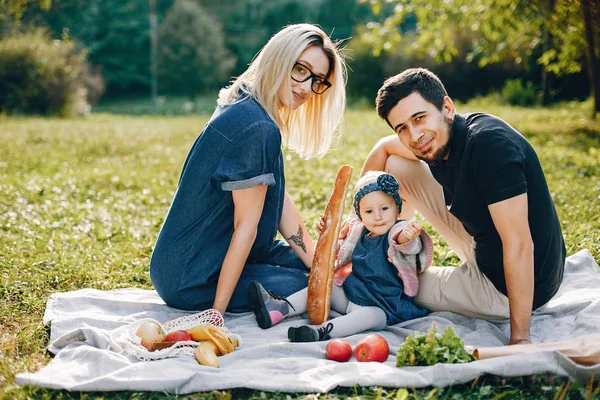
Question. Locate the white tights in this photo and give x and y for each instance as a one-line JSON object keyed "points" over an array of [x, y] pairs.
{"points": [[355, 319]]}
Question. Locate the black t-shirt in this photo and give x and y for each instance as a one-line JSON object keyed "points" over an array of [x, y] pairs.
{"points": [[490, 161]]}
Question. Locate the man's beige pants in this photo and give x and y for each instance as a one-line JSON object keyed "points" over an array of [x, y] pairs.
{"points": [[464, 290]]}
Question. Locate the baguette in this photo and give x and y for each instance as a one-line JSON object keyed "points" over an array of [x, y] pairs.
{"points": [[321, 275]]}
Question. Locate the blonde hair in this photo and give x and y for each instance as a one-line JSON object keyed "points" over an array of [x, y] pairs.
{"points": [[311, 129]]}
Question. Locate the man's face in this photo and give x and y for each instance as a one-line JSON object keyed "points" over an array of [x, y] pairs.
{"points": [[422, 128]]}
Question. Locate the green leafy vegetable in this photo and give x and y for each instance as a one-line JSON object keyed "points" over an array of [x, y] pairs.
{"points": [[429, 348]]}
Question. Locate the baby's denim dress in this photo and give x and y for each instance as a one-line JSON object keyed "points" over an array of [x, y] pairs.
{"points": [[240, 147], [374, 281]]}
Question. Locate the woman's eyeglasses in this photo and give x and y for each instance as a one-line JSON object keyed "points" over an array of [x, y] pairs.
{"points": [[301, 73]]}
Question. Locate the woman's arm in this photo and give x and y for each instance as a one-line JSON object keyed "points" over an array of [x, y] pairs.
{"points": [[248, 207], [294, 231]]}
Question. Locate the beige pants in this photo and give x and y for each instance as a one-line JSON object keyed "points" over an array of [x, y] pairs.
{"points": [[465, 289]]}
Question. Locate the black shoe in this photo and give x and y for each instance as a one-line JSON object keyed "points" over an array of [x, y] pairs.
{"points": [[268, 307], [307, 333]]}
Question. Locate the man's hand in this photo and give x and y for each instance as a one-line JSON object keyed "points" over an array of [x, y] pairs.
{"points": [[412, 231], [321, 224], [519, 341]]}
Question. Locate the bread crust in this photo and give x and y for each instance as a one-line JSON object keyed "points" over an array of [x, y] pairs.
{"points": [[320, 280]]}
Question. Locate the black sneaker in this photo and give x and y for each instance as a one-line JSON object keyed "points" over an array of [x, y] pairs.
{"points": [[307, 333], [268, 307]]}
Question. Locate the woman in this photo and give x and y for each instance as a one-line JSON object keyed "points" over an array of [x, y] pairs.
{"points": [[219, 233]]}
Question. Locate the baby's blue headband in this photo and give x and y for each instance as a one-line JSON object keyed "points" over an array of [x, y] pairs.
{"points": [[385, 183]]}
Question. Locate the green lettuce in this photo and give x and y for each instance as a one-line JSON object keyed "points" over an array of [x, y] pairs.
{"points": [[430, 348]]}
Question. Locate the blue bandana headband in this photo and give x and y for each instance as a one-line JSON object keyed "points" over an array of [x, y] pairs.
{"points": [[385, 183]]}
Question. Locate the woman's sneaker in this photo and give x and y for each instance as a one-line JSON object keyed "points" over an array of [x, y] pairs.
{"points": [[268, 307], [307, 333]]}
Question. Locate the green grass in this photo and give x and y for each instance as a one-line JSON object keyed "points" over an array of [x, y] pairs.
{"points": [[165, 105], [82, 200]]}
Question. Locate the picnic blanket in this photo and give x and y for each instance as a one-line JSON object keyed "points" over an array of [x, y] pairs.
{"points": [[82, 320]]}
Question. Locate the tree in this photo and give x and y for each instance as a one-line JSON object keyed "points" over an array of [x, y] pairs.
{"points": [[11, 12], [192, 56], [498, 31], [15, 8], [116, 34]]}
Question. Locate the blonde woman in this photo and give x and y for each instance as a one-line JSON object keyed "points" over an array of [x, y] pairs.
{"points": [[218, 235]]}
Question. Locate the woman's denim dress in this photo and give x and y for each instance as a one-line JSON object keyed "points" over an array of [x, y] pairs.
{"points": [[240, 147]]}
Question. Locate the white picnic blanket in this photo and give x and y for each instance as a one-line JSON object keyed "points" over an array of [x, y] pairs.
{"points": [[82, 320]]}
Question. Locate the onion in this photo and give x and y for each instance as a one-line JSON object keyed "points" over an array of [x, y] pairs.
{"points": [[150, 332]]}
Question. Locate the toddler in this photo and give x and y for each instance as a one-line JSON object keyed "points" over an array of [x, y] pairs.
{"points": [[376, 271]]}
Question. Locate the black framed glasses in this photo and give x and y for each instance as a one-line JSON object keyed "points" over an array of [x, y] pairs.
{"points": [[301, 73]]}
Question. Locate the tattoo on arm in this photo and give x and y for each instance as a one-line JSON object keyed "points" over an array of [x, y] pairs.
{"points": [[297, 239]]}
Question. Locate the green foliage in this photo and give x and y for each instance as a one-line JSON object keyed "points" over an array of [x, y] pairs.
{"points": [[15, 8], [192, 52], [517, 94], [422, 349], [366, 72], [495, 30], [565, 25], [527, 34], [42, 76]]}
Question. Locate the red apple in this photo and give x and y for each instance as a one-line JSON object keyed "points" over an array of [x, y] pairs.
{"points": [[372, 348], [178, 336], [338, 350], [150, 332]]}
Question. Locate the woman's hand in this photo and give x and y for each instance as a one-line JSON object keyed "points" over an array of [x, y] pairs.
{"points": [[410, 232]]}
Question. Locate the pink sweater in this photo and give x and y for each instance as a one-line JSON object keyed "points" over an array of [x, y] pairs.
{"points": [[407, 271]]}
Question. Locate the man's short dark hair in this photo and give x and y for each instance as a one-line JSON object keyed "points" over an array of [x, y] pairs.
{"points": [[397, 87]]}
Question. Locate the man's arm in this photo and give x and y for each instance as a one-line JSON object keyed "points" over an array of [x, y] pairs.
{"points": [[385, 147], [510, 220]]}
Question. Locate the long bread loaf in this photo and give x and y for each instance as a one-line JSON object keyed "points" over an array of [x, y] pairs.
{"points": [[321, 275]]}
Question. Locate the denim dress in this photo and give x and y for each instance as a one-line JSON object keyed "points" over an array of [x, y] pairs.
{"points": [[374, 281], [240, 147]]}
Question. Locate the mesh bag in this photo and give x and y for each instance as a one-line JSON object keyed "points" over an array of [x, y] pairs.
{"points": [[123, 340]]}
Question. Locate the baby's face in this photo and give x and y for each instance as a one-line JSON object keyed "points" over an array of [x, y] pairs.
{"points": [[379, 212]]}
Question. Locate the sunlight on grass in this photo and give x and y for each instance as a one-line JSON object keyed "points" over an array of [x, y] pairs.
{"points": [[82, 200]]}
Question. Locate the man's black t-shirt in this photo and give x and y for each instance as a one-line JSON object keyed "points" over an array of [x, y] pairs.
{"points": [[490, 161]]}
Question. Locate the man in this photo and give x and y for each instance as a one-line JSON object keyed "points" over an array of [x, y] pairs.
{"points": [[481, 186]]}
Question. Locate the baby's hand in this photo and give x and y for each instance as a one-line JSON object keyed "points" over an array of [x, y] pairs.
{"points": [[412, 230], [321, 224]]}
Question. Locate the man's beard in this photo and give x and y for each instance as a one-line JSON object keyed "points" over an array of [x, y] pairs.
{"points": [[440, 154]]}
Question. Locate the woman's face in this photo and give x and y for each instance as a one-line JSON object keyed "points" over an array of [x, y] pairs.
{"points": [[313, 62]]}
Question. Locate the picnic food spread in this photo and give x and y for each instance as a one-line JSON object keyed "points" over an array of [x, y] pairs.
{"points": [[213, 341], [320, 280]]}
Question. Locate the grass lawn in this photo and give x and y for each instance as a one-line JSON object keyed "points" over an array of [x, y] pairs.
{"points": [[82, 200]]}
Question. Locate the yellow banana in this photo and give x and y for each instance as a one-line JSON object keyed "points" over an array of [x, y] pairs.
{"points": [[201, 332], [214, 335], [206, 354]]}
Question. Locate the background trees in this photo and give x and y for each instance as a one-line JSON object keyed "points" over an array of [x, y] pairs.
{"points": [[554, 34], [192, 53], [545, 47]]}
